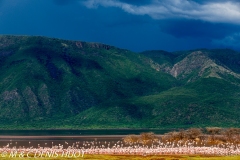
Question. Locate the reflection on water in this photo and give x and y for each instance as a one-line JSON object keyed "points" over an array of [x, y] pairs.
{"points": [[66, 138], [80, 132]]}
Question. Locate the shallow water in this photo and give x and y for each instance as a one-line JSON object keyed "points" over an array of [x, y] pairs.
{"points": [[81, 132], [66, 138], [50, 141]]}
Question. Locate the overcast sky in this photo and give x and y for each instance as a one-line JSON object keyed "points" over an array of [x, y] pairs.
{"points": [[136, 25]]}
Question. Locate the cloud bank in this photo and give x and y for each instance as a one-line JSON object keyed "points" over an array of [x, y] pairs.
{"points": [[211, 11]]}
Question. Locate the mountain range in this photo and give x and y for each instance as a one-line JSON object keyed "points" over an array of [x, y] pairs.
{"points": [[49, 83]]}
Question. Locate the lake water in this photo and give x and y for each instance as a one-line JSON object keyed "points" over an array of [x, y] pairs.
{"points": [[66, 138], [80, 132]]}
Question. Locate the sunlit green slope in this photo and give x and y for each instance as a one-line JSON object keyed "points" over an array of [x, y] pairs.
{"points": [[54, 83], [43, 79]]}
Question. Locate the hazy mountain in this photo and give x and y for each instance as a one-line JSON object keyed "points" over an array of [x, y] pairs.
{"points": [[53, 83]]}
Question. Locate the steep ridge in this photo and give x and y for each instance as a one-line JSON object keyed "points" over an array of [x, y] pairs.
{"points": [[51, 79], [209, 94], [192, 65], [54, 83]]}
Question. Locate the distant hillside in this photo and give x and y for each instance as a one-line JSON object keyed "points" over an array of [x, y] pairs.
{"points": [[54, 83], [189, 66]]}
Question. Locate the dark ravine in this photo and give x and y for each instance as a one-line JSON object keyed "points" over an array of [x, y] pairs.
{"points": [[53, 83]]}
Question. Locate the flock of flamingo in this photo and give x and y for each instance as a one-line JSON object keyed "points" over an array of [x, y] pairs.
{"points": [[218, 142], [121, 147]]}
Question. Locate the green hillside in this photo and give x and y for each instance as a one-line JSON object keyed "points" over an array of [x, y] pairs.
{"points": [[54, 83], [207, 102]]}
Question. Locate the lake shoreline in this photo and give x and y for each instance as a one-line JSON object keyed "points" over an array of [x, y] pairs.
{"points": [[44, 137]]}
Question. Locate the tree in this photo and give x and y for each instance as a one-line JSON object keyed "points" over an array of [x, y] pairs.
{"points": [[193, 133], [231, 133], [147, 137], [213, 131]]}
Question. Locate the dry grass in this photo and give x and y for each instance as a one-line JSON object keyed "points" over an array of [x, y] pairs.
{"points": [[159, 157], [132, 157], [143, 138], [212, 135]]}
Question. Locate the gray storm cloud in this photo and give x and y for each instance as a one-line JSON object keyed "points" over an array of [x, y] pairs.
{"points": [[210, 11]]}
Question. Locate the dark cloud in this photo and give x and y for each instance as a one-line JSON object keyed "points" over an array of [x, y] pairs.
{"points": [[197, 28], [136, 2], [144, 2], [231, 41], [63, 2], [136, 27], [212, 1]]}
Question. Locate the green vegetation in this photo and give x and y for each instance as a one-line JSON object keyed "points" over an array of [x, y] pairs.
{"points": [[51, 83]]}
